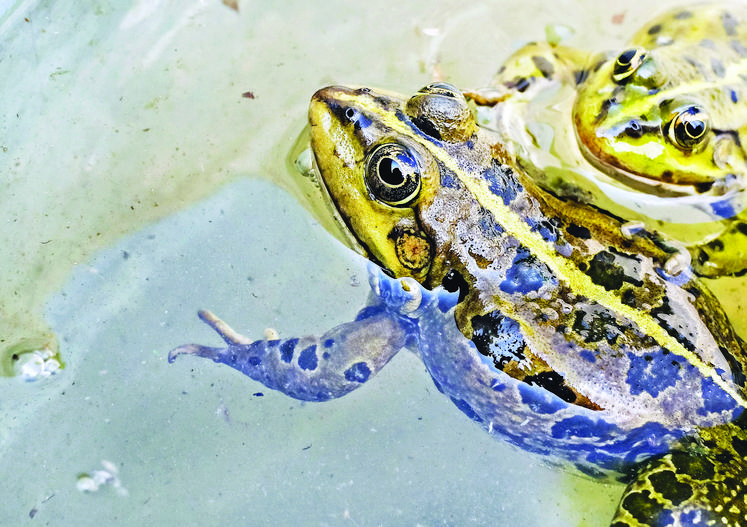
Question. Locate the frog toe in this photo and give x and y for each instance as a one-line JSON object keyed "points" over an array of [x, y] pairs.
{"points": [[194, 349]]}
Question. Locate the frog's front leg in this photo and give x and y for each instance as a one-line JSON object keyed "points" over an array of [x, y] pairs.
{"points": [[725, 255], [310, 368]]}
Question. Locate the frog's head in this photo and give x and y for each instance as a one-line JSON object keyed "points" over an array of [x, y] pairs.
{"points": [[653, 121], [374, 154]]}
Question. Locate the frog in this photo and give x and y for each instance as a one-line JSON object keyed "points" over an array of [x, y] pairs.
{"points": [[654, 132], [545, 320]]}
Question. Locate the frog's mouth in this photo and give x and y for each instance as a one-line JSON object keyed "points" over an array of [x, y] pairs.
{"points": [[610, 166], [345, 231]]}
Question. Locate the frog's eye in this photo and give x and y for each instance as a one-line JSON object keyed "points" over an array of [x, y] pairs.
{"points": [[393, 175], [441, 88], [441, 111], [626, 63], [688, 128]]}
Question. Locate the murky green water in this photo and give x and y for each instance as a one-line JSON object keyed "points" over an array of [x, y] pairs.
{"points": [[139, 185]]}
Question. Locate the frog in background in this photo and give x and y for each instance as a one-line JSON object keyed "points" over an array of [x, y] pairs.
{"points": [[543, 316], [654, 133]]}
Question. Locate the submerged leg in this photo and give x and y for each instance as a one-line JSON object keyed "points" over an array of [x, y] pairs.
{"points": [[686, 489], [725, 255], [309, 368]]}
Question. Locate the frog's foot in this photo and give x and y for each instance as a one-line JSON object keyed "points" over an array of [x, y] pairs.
{"points": [[685, 488], [310, 368], [194, 349], [487, 96], [231, 337], [224, 330]]}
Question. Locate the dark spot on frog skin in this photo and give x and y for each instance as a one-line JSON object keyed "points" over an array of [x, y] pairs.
{"points": [[653, 30], [697, 467], [644, 507], [740, 446], [554, 383], [683, 15], [307, 359], [725, 207], [734, 96], [715, 400], [578, 231], [286, 350], [683, 334], [603, 270], [526, 274], [498, 337], [704, 187], [739, 48], [520, 84], [604, 110], [453, 281], [708, 44], [653, 372], [594, 327], [490, 228], [544, 66], [629, 298], [729, 23], [667, 176], [548, 228], [358, 372], [666, 484], [502, 182], [598, 65], [580, 76], [718, 68], [716, 246]]}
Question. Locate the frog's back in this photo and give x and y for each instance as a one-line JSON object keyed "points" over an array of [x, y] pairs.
{"points": [[717, 23]]}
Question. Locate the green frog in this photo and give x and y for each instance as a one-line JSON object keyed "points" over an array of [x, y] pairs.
{"points": [[544, 319], [654, 133]]}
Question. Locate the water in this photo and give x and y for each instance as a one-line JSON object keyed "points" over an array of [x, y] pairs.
{"points": [[139, 185]]}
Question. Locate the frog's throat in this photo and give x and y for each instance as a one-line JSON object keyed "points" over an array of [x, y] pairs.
{"points": [[544, 251]]}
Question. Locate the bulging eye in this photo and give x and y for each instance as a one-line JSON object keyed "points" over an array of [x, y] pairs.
{"points": [[441, 111], [627, 63], [441, 88], [689, 128], [393, 175]]}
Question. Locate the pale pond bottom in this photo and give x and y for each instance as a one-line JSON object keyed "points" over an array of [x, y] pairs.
{"points": [[195, 443]]}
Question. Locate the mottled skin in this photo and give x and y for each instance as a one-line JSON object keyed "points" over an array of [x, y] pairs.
{"points": [[655, 131], [564, 333]]}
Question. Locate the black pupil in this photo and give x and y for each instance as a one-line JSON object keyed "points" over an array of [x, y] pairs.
{"points": [[350, 114], [625, 57], [695, 128], [390, 172]]}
